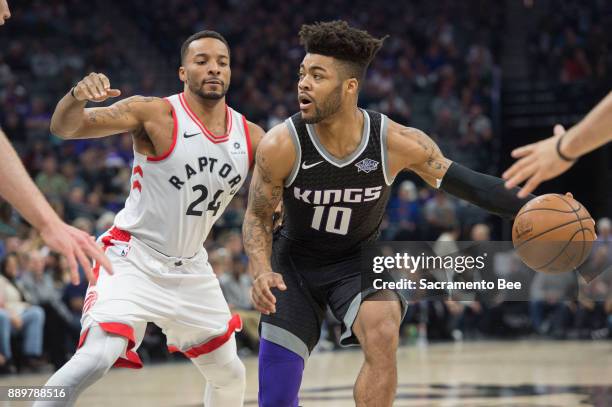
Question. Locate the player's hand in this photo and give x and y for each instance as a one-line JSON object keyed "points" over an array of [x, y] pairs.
{"points": [[262, 296], [95, 87], [5, 13], [77, 246], [538, 162]]}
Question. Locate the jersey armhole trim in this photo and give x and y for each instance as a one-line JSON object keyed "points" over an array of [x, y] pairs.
{"points": [[298, 152], [384, 151], [247, 134], [174, 137]]}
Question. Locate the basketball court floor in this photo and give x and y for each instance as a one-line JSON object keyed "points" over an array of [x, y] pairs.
{"points": [[509, 374]]}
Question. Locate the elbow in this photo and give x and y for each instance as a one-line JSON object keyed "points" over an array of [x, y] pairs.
{"points": [[60, 132]]}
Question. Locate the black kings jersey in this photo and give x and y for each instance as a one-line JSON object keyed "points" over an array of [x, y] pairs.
{"points": [[331, 205]]}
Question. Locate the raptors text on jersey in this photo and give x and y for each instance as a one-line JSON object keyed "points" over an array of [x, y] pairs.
{"points": [[176, 198]]}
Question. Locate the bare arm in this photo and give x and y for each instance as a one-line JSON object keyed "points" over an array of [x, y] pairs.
{"points": [[274, 161], [17, 188], [540, 161], [72, 120], [412, 149], [593, 131]]}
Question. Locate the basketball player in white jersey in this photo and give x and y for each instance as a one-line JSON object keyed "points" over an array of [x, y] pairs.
{"points": [[191, 155]]}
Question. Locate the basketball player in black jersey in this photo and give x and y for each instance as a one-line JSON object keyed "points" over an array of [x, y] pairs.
{"points": [[332, 165]]}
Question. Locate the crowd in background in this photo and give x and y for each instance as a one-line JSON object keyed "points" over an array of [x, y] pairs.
{"points": [[569, 43], [436, 72]]}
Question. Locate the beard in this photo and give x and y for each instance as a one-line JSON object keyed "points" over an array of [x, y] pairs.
{"points": [[328, 107], [208, 95]]}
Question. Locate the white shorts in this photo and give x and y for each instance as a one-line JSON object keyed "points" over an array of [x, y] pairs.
{"points": [[180, 295]]}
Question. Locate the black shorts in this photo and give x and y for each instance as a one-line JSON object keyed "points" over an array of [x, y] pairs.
{"points": [[313, 283]]}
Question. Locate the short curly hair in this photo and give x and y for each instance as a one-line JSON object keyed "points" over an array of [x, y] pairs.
{"points": [[355, 48]]}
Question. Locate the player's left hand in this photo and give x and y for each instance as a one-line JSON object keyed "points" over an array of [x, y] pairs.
{"points": [[538, 162], [77, 246]]}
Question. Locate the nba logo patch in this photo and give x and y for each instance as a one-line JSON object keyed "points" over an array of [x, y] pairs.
{"points": [[125, 251], [366, 165]]}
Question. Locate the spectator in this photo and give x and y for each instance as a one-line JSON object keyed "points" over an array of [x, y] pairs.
{"points": [[549, 309], [38, 289], [19, 317], [440, 215], [49, 181]]}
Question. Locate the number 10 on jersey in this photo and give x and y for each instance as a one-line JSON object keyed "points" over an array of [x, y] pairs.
{"points": [[338, 219]]}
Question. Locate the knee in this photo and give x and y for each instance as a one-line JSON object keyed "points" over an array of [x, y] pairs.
{"points": [[235, 373], [230, 375], [381, 335], [37, 314], [88, 364]]}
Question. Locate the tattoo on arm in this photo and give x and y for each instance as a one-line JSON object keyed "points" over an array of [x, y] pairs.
{"points": [[119, 110], [264, 197], [434, 155]]}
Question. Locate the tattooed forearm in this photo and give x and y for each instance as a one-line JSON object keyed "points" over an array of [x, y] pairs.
{"points": [[119, 110], [71, 119], [437, 164], [264, 197]]}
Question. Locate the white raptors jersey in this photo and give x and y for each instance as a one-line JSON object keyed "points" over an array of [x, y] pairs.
{"points": [[176, 198]]}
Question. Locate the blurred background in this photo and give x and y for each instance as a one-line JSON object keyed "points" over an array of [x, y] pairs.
{"points": [[480, 77]]}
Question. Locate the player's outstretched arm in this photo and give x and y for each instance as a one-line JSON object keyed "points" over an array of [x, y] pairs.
{"points": [[553, 156], [72, 120], [274, 161], [17, 188], [411, 149]]}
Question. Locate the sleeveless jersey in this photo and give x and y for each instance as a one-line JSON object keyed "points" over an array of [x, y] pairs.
{"points": [[176, 198], [331, 205]]}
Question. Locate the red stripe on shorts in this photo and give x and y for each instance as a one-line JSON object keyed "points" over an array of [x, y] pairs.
{"points": [[234, 324]]}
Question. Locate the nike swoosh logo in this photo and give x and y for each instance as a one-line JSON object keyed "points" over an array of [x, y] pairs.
{"points": [[190, 135], [306, 166]]}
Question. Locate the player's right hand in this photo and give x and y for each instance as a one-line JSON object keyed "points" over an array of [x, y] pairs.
{"points": [[537, 162], [95, 87], [261, 293]]}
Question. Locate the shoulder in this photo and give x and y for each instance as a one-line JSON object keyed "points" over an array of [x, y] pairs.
{"points": [[277, 150], [278, 139], [256, 133]]}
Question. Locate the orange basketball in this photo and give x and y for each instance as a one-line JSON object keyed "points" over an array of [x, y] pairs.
{"points": [[553, 233]]}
